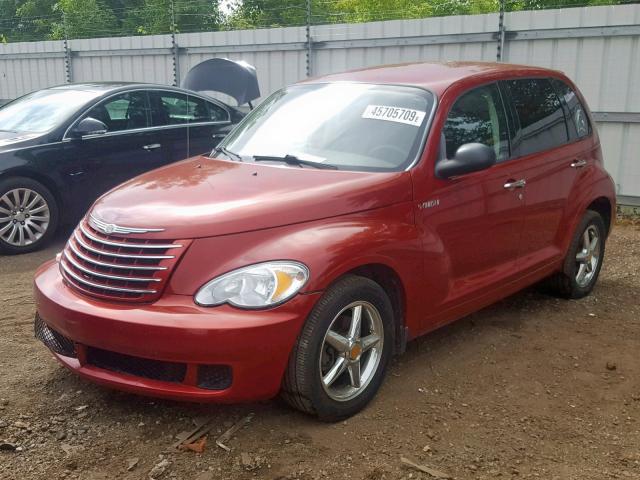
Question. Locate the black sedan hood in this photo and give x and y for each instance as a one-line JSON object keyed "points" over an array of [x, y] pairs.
{"points": [[11, 140]]}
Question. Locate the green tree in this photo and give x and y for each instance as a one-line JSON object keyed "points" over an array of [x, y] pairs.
{"points": [[83, 18], [28, 20], [154, 16], [355, 11], [266, 13]]}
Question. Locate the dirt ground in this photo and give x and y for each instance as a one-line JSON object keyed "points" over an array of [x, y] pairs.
{"points": [[533, 387]]}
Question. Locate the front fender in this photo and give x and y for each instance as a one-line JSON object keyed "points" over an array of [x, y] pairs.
{"points": [[329, 247]]}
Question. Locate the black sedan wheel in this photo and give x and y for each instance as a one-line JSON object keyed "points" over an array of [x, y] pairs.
{"points": [[28, 215]]}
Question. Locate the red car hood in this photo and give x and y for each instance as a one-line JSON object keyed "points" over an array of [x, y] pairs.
{"points": [[204, 197]]}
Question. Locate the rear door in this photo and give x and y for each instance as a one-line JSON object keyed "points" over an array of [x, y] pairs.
{"points": [[543, 157], [191, 125], [209, 131]]}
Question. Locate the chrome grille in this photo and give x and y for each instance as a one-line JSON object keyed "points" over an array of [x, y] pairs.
{"points": [[118, 266]]}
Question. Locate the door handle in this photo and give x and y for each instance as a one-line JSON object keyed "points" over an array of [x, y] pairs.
{"points": [[153, 146], [218, 135], [510, 185], [578, 163]]}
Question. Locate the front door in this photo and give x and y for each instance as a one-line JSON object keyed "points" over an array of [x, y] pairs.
{"points": [[475, 218], [128, 148]]}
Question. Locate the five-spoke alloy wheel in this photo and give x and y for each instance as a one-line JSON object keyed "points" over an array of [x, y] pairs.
{"points": [[351, 351], [28, 215], [588, 257], [340, 358], [584, 259]]}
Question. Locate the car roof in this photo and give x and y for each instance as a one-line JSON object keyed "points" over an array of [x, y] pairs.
{"points": [[107, 87], [434, 76]]}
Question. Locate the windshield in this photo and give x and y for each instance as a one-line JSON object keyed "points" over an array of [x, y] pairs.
{"points": [[350, 126], [41, 111]]}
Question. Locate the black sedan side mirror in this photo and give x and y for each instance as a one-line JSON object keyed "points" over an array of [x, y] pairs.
{"points": [[89, 126], [470, 157]]}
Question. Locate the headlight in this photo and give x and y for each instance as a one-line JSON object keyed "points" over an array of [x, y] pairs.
{"points": [[256, 286]]}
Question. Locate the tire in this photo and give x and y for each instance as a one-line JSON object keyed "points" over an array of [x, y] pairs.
{"points": [[314, 357], [29, 229], [566, 284]]}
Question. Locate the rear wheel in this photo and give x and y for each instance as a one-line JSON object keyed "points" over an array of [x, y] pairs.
{"points": [[584, 259], [28, 215], [340, 358]]}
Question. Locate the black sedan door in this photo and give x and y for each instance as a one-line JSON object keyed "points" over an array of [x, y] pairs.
{"points": [[128, 148], [191, 124]]}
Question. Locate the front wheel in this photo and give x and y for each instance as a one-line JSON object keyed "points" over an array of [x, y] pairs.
{"points": [[584, 259], [340, 358], [28, 215]]}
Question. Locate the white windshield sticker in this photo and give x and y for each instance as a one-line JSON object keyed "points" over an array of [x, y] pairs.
{"points": [[394, 114], [308, 156]]}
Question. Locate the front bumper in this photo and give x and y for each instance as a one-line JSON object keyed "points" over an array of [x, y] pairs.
{"points": [[254, 345]]}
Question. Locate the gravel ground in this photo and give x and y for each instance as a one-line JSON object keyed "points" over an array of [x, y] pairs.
{"points": [[532, 387]]}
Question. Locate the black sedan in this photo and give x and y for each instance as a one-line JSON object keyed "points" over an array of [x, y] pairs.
{"points": [[62, 147]]}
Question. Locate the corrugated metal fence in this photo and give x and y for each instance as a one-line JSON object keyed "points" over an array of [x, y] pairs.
{"points": [[598, 47]]}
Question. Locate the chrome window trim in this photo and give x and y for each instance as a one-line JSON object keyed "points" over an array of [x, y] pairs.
{"points": [[66, 138], [107, 276]]}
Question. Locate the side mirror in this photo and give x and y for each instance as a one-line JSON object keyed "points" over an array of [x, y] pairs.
{"points": [[470, 157], [89, 126]]}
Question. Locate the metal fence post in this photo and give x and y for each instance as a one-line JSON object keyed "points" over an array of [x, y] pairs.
{"points": [[68, 74], [174, 48], [309, 44], [500, 51]]}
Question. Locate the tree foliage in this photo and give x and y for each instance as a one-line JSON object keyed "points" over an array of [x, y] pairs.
{"points": [[25, 20]]}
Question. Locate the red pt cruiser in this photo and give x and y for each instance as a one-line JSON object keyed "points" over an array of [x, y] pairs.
{"points": [[342, 218]]}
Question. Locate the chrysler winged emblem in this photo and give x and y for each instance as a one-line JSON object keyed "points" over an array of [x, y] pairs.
{"points": [[109, 228]]}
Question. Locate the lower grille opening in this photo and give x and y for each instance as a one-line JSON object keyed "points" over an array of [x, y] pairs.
{"points": [[214, 377], [139, 367], [53, 340]]}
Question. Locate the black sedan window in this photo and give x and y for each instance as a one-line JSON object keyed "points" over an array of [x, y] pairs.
{"points": [[175, 108], [126, 111]]}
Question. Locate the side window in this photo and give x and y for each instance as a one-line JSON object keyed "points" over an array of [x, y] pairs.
{"points": [[174, 108], [126, 111], [539, 118], [477, 116], [577, 119], [217, 113]]}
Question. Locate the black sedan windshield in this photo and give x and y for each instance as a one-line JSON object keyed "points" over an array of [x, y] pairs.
{"points": [[43, 110], [350, 126]]}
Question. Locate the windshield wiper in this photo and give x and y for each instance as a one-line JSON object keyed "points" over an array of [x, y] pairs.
{"points": [[293, 160], [228, 153]]}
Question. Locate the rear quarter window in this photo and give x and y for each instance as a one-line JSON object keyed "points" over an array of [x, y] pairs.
{"points": [[577, 119], [538, 121]]}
